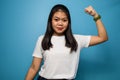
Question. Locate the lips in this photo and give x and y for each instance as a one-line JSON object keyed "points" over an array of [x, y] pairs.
{"points": [[60, 28]]}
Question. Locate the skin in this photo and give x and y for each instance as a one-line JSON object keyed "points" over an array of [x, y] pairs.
{"points": [[59, 24]]}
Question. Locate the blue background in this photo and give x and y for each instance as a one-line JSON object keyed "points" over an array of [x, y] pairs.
{"points": [[22, 21]]}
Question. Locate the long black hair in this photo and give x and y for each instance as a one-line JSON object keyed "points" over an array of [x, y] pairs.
{"points": [[70, 40]]}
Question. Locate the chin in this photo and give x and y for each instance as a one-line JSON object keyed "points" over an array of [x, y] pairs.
{"points": [[59, 33]]}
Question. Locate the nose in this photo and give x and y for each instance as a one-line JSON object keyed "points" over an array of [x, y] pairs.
{"points": [[60, 23]]}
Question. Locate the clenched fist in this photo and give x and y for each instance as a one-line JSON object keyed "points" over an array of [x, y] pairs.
{"points": [[90, 10]]}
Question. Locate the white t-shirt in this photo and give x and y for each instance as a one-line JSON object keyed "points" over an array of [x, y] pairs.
{"points": [[59, 63]]}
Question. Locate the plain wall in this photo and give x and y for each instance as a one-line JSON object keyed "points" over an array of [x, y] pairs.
{"points": [[23, 21]]}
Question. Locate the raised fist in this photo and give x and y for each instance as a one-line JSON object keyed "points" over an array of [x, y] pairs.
{"points": [[90, 10]]}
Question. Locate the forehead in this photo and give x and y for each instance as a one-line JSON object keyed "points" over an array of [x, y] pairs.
{"points": [[60, 14]]}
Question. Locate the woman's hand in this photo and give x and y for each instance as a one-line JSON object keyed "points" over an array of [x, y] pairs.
{"points": [[91, 11]]}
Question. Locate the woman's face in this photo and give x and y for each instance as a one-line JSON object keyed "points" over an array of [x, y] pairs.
{"points": [[59, 23]]}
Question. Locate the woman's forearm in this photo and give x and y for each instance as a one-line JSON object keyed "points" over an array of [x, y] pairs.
{"points": [[33, 69], [31, 74], [101, 30]]}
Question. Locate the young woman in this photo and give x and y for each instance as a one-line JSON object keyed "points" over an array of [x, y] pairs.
{"points": [[59, 48]]}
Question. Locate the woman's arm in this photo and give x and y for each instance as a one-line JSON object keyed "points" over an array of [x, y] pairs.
{"points": [[33, 69], [102, 34]]}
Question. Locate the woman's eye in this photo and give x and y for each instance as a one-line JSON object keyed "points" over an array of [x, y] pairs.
{"points": [[65, 20], [56, 19]]}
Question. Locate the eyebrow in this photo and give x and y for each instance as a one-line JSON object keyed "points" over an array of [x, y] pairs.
{"points": [[59, 17]]}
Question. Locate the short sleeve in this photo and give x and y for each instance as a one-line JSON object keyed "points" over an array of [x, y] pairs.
{"points": [[83, 40], [38, 48]]}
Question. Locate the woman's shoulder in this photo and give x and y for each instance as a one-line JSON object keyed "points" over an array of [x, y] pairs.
{"points": [[79, 36], [40, 37]]}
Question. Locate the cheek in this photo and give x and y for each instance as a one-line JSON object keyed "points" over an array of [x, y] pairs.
{"points": [[66, 25], [53, 24]]}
